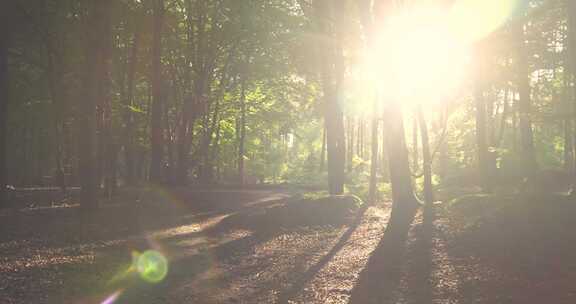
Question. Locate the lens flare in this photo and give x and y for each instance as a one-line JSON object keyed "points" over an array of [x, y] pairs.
{"points": [[113, 297], [151, 265]]}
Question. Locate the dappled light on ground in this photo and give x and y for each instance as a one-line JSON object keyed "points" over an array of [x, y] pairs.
{"points": [[238, 255]]}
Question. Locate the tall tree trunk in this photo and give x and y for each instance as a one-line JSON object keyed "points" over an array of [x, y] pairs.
{"points": [[404, 202], [571, 14], [415, 154], [128, 116], [184, 138], [443, 157], [3, 102], [426, 158], [216, 153], [349, 143], [524, 105], [568, 107], [323, 150], [205, 151], [242, 137], [503, 118], [107, 143], [156, 133], [57, 108], [332, 80], [99, 21], [186, 123], [373, 187], [481, 132], [335, 143]]}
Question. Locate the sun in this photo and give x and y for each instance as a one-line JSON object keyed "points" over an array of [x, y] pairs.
{"points": [[418, 58]]}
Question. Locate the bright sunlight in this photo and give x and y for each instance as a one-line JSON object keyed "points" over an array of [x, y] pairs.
{"points": [[418, 58], [422, 55]]}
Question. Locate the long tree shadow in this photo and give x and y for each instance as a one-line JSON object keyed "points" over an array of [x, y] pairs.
{"points": [[419, 281], [379, 280], [297, 286]]}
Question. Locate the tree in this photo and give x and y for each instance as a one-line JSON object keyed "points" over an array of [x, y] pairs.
{"points": [[524, 103], [4, 17], [96, 61], [426, 158], [242, 133], [571, 64], [404, 202], [483, 163], [156, 127], [128, 110], [332, 69]]}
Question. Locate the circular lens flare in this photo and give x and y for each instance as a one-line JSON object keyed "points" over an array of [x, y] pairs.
{"points": [[152, 266]]}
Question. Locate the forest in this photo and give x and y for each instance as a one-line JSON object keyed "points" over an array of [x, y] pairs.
{"points": [[287, 151]]}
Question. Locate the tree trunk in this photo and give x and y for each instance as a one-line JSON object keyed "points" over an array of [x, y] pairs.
{"points": [[524, 106], [443, 157], [373, 188], [404, 202], [571, 13], [568, 132], [3, 104], [332, 80], [156, 133], [323, 151], [108, 157], [242, 137], [426, 158], [99, 21], [415, 155], [216, 153], [128, 108], [503, 119], [350, 143], [481, 132]]}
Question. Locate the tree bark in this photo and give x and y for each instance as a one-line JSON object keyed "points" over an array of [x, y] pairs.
{"points": [[415, 154], [323, 151], [373, 187], [128, 108], [332, 80], [349, 143], [404, 202], [524, 106], [156, 132], [95, 61], [108, 156], [481, 132], [242, 137], [426, 158], [571, 14], [3, 103]]}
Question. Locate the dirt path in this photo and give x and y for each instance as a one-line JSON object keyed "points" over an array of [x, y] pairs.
{"points": [[48, 255]]}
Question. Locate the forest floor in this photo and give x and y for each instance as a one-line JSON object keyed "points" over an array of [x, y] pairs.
{"points": [[234, 246]]}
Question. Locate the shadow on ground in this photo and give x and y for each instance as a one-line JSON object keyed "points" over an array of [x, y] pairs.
{"points": [[380, 278]]}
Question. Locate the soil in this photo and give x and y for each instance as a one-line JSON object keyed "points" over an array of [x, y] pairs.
{"points": [[234, 246]]}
